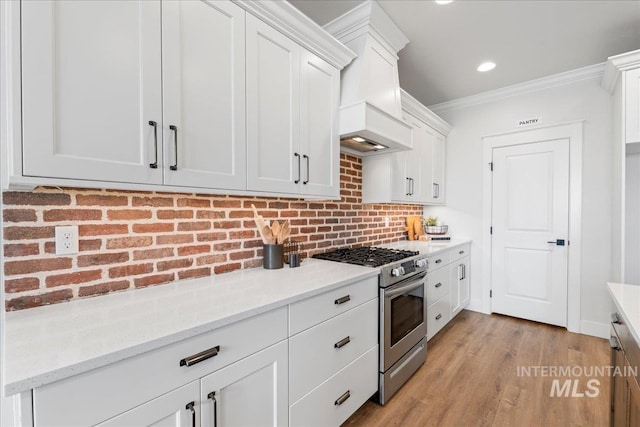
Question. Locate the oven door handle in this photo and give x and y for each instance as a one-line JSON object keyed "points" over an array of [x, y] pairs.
{"points": [[404, 289]]}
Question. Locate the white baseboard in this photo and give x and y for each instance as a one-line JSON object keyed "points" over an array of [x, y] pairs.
{"points": [[595, 329]]}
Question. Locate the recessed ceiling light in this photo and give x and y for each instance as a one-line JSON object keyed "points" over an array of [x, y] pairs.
{"points": [[443, 1], [358, 139], [486, 66]]}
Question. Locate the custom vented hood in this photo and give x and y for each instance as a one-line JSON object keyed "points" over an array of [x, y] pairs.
{"points": [[370, 111]]}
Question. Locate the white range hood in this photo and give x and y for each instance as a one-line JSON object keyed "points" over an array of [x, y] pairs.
{"points": [[371, 112]]}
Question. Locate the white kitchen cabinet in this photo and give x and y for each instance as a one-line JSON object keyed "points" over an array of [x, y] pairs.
{"points": [[292, 104], [251, 392], [460, 292], [96, 108], [436, 195], [632, 106], [89, 92], [178, 408], [203, 89]]}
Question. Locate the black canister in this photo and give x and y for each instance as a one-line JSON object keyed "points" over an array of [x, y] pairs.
{"points": [[272, 256]]}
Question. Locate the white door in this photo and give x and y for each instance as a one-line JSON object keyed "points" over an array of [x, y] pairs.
{"points": [[91, 85], [204, 94], [178, 408], [250, 392], [274, 161], [530, 215], [320, 144]]}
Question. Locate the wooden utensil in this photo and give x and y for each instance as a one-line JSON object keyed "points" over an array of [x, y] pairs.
{"points": [[260, 223], [275, 230], [267, 235], [285, 232]]}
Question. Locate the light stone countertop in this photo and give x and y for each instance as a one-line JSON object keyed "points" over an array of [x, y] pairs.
{"points": [[50, 343], [427, 248], [627, 300]]}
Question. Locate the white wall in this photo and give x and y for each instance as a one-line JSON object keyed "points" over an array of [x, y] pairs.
{"points": [[632, 222], [584, 100]]}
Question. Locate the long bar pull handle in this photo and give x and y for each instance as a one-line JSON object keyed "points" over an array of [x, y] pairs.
{"points": [[407, 186], [339, 401], [212, 396], [438, 187], [298, 156], [464, 271], [439, 316], [614, 344], [412, 185], [307, 159], [435, 188], [342, 300], [460, 272], [344, 341], [191, 407], [174, 167], [615, 319], [203, 355], [154, 165]]}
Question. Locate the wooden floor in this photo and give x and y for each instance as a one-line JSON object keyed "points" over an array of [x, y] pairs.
{"points": [[471, 378]]}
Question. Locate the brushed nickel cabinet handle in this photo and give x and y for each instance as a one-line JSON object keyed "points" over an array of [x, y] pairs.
{"points": [[438, 284], [615, 319], [614, 344], [298, 156], [191, 407], [203, 355], [154, 165], [344, 341], [342, 300], [438, 261], [439, 316], [212, 396], [460, 253], [307, 159], [339, 401]]}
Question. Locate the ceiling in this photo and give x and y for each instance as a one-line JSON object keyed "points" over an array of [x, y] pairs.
{"points": [[526, 39]]}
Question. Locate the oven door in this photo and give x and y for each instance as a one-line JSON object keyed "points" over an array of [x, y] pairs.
{"points": [[403, 314]]}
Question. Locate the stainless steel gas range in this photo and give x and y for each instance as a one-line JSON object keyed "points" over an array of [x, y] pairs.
{"points": [[403, 311]]}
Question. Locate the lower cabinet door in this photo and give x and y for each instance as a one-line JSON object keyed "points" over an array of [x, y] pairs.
{"points": [[250, 392], [178, 408]]}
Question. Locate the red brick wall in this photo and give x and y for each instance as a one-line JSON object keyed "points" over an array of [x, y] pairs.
{"points": [[135, 239]]}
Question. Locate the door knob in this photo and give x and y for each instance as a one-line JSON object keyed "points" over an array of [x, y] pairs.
{"points": [[558, 242]]}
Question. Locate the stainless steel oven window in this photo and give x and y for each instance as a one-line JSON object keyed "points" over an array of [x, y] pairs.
{"points": [[407, 313]]}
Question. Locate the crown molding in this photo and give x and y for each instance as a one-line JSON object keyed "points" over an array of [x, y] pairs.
{"points": [[362, 19], [586, 73], [415, 108], [615, 65], [294, 24]]}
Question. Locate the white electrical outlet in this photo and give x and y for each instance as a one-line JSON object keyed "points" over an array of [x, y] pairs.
{"points": [[386, 221], [67, 240]]}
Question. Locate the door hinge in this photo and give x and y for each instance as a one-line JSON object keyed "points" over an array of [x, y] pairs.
{"points": [[491, 230], [490, 294], [491, 166]]}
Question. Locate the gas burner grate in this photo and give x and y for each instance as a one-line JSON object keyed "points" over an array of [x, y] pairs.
{"points": [[366, 256]]}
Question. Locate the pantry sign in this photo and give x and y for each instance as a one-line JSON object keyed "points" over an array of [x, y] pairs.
{"points": [[529, 122]]}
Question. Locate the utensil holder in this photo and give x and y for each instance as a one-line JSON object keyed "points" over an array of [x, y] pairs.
{"points": [[272, 256]]}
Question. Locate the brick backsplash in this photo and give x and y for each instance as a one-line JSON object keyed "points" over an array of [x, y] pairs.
{"points": [[131, 239]]}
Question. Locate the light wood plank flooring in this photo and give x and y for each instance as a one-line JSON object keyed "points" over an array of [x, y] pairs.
{"points": [[471, 378]]}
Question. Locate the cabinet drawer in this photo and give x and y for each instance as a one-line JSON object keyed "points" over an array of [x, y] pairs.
{"points": [[311, 311], [438, 260], [438, 315], [460, 252], [319, 352], [320, 407], [116, 388], [438, 284]]}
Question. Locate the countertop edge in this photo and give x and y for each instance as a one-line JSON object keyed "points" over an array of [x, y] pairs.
{"points": [[38, 380]]}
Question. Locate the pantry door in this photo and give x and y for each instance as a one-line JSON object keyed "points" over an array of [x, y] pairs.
{"points": [[530, 220]]}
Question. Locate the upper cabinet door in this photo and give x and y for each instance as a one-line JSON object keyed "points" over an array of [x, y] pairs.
{"points": [[438, 153], [274, 160], [204, 94], [320, 145], [91, 85], [632, 106]]}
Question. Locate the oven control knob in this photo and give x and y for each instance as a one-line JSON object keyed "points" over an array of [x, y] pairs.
{"points": [[397, 272], [421, 263]]}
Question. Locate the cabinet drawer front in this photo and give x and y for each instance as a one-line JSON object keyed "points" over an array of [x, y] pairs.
{"points": [[438, 284], [318, 353], [438, 260], [116, 388], [309, 312], [321, 408], [460, 252], [438, 315]]}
